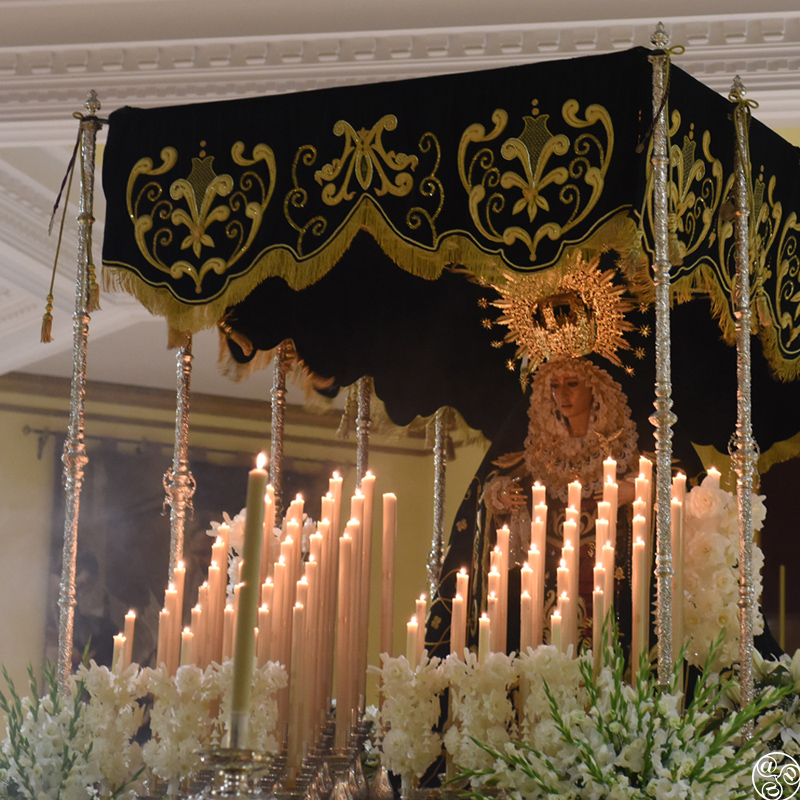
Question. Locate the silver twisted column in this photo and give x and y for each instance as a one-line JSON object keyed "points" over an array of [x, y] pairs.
{"points": [[743, 448], [74, 457], [663, 419], [278, 395], [363, 424], [436, 554], [179, 483]]}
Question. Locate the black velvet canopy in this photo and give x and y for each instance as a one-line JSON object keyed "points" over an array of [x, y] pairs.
{"points": [[370, 223]]}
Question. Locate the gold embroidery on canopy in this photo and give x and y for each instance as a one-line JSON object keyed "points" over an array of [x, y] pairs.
{"points": [[429, 186], [578, 166], [297, 198], [780, 315], [364, 156], [198, 202]]}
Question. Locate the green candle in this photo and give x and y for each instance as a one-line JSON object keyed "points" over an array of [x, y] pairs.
{"points": [[244, 652]]}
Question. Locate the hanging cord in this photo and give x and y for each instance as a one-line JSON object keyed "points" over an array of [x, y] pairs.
{"points": [[47, 319], [668, 52]]}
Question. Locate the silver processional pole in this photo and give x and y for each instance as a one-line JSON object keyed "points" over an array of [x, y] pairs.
{"points": [[664, 418], [74, 457]]}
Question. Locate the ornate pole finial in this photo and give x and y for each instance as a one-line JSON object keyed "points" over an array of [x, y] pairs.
{"points": [[738, 87], [660, 38], [92, 104]]}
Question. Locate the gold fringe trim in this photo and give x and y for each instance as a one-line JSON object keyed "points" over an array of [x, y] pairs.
{"points": [[457, 247], [703, 282]]}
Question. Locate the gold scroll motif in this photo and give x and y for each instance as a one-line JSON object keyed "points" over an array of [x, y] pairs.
{"points": [[780, 315], [548, 161], [695, 191], [219, 212], [364, 157], [364, 167]]}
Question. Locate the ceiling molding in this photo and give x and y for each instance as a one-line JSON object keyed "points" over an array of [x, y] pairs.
{"points": [[42, 84]]}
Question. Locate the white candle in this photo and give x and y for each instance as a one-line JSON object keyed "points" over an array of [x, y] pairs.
{"points": [[536, 561], [609, 470], [179, 579], [539, 526], [503, 538], [163, 633], [601, 534], [571, 556], [555, 630], [713, 478], [569, 631], [574, 496], [119, 653], [216, 607], [676, 521], [187, 647], [491, 610], [262, 645], [646, 468], [298, 694], [484, 637], [268, 538], [229, 620], [608, 556], [245, 646], [572, 515], [421, 607], [335, 488], [458, 626], [198, 629], [598, 616], [562, 578], [343, 641], [538, 494], [639, 605], [679, 487], [462, 583], [172, 636], [525, 617], [130, 624], [280, 613], [387, 571], [610, 496], [412, 641], [203, 630]]}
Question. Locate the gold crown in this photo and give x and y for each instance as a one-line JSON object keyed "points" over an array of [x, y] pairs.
{"points": [[565, 316]]}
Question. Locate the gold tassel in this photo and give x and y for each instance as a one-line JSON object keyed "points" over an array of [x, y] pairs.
{"points": [[47, 321], [93, 301]]}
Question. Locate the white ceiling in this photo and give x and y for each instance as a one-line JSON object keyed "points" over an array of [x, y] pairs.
{"points": [[156, 52]]}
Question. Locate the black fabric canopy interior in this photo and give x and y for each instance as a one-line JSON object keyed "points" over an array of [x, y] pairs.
{"points": [[344, 219]]}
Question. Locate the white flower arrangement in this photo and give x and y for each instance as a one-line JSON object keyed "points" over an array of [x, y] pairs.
{"points": [[411, 710], [190, 713], [83, 745], [711, 573], [547, 673], [632, 743], [480, 706], [47, 750], [114, 715]]}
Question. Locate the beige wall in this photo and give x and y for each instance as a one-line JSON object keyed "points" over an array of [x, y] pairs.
{"points": [[403, 466]]}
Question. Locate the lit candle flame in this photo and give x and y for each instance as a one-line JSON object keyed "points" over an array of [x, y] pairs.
{"points": [[261, 461]]}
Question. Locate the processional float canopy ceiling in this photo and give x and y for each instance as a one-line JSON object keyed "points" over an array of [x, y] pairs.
{"points": [[289, 216]]}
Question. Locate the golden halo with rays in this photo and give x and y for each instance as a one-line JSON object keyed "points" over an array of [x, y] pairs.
{"points": [[565, 316]]}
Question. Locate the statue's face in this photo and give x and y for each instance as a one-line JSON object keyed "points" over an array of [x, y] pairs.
{"points": [[572, 395]]}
